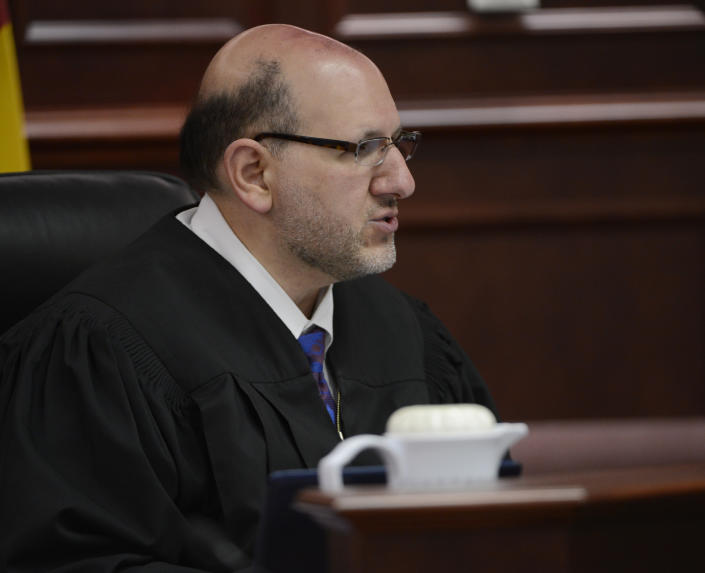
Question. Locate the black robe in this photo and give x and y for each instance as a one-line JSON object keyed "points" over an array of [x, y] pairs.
{"points": [[143, 407]]}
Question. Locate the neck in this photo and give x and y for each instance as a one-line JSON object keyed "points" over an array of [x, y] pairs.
{"points": [[308, 303], [300, 282]]}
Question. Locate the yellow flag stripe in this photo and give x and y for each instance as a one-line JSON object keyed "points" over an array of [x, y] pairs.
{"points": [[14, 151]]}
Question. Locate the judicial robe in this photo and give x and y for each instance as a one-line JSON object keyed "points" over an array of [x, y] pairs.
{"points": [[143, 407]]}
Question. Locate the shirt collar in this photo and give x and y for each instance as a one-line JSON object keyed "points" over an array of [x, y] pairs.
{"points": [[207, 223]]}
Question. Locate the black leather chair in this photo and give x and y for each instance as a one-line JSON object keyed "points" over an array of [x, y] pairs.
{"points": [[54, 224]]}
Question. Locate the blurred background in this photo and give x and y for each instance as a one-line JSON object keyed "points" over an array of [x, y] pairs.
{"points": [[557, 227]]}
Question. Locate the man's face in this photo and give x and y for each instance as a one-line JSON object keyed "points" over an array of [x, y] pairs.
{"points": [[331, 213]]}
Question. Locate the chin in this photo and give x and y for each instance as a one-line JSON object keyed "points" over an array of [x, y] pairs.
{"points": [[381, 259]]}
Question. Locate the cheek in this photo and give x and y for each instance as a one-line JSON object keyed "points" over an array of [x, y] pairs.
{"points": [[351, 187], [341, 189], [351, 204]]}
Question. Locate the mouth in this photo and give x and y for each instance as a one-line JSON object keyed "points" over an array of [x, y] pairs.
{"points": [[388, 222]]}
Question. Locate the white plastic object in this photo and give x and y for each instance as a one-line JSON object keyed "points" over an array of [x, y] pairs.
{"points": [[423, 461]]}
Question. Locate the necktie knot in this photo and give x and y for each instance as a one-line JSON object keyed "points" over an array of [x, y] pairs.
{"points": [[313, 344]]}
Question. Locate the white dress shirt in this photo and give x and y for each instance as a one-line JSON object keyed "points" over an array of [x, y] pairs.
{"points": [[207, 223]]}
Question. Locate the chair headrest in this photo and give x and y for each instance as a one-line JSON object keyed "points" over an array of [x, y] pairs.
{"points": [[54, 224]]}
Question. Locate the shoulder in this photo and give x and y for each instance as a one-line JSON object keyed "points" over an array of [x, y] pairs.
{"points": [[450, 374], [61, 316], [76, 338], [373, 302], [375, 292]]}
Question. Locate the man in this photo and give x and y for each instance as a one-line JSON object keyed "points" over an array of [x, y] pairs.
{"points": [[144, 406]]}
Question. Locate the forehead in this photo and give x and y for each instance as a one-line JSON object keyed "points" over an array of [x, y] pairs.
{"points": [[344, 98]]}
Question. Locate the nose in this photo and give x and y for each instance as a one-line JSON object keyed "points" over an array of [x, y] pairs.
{"points": [[393, 176]]}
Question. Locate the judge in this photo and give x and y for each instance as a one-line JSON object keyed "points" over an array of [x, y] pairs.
{"points": [[144, 405]]}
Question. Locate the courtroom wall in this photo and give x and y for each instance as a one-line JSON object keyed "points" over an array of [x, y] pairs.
{"points": [[557, 227]]}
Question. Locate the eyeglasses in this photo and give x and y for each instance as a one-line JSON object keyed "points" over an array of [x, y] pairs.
{"points": [[369, 152]]}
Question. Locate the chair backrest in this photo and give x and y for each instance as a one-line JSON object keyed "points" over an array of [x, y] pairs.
{"points": [[54, 224]]}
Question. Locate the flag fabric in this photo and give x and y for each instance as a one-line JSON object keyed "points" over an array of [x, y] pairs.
{"points": [[14, 152]]}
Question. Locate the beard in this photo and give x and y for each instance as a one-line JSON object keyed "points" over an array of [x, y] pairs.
{"points": [[329, 243]]}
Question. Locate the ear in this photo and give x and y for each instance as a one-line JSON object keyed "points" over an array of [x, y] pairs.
{"points": [[244, 162]]}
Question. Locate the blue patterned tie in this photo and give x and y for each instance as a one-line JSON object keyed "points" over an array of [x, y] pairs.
{"points": [[313, 344]]}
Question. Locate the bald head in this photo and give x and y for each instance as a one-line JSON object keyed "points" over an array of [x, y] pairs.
{"points": [[259, 81], [290, 46]]}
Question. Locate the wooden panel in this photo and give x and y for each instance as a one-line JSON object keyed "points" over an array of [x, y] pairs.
{"points": [[636, 519], [448, 127], [570, 263], [120, 138], [601, 20], [129, 32], [78, 76], [615, 110], [88, 54], [128, 9], [372, 6], [317, 15], [26, 12], [575, 445], [600, 321], [585, 160], [545, 52], [158, 56]]}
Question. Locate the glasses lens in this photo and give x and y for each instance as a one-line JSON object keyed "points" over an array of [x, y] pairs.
{"points": [[372, 151], [407, 144]]}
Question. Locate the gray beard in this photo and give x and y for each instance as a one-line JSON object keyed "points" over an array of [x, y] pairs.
{"points": [[343, 259], [330, 245]]}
